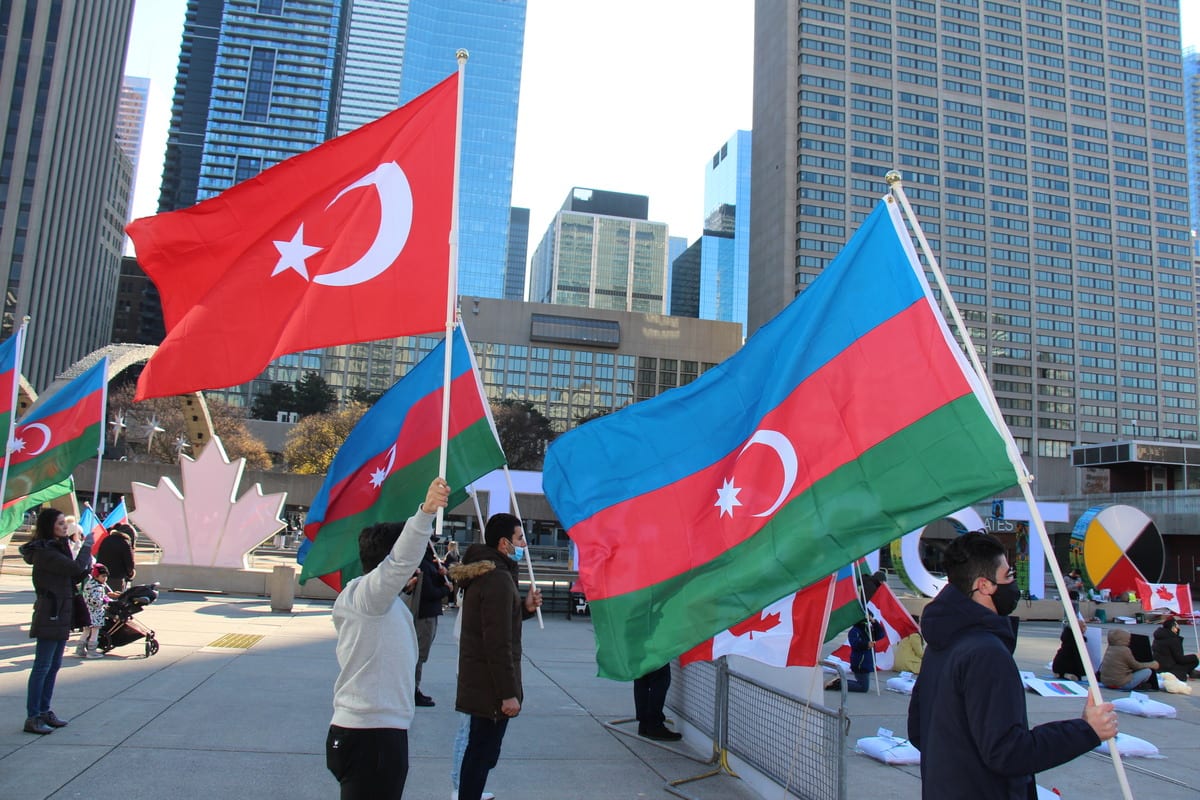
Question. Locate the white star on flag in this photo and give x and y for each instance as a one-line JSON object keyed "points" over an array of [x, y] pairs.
{"points": [[17, 445], [294, 253], [380, 475], [727, 498]]}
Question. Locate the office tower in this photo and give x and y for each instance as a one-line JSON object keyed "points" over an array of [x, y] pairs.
{"points": [[725, 249], [138, 318], [600, 251], [1191, 105], [372, 61], [493, 31], [685, 282], [131, 116], [517, 254], [60, 179], [1044, 151], [254, 88], [676, 246]]}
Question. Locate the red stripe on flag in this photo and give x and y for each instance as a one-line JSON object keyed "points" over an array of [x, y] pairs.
{"points": [[833, 417], [419, 435], [65, 426]]}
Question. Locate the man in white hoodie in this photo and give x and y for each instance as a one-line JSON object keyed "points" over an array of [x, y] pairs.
{"points": [[367, 746]]}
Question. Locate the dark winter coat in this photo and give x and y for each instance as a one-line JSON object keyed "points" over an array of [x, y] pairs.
{"points": [[967, 713], [434, 589], [1168, 652], [55, 576], [489, 653], [116, 553], [862, 655], [1067, 660]]}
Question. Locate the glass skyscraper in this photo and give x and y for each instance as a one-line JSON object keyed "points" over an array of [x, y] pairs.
{"points": [[493, 31], [1191, 104], [373, 59], [725, 245], [1044, 151]]}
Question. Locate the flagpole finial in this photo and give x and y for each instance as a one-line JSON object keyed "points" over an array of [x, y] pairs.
{"points": [[893, 177], [462, 55]]}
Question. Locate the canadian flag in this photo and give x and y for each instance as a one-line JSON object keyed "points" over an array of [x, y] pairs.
{"points": [[1175, 597], [897, 623], [787, 633]]}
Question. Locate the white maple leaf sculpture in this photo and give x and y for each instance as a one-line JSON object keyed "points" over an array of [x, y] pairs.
{"points": [[205, 526]]}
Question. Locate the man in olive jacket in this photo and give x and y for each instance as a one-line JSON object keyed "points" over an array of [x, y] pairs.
{"points": [[489, 657]]}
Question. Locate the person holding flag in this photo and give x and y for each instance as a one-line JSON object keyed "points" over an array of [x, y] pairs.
{"points": [[367, 746]]}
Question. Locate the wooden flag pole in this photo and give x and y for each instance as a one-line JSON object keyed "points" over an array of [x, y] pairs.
{"points": [[1025, 478], [451, 287]]}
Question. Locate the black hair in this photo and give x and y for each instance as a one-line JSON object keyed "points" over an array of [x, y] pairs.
{"points": [[970, 556], [375, 542], [500, 526], [44, 527]]}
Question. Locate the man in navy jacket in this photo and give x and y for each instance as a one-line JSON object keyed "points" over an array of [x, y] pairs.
{"points": [[967, 714]]}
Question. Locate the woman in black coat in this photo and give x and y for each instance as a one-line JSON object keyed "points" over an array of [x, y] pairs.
{"points": [[1168, 651], [55, 574]]}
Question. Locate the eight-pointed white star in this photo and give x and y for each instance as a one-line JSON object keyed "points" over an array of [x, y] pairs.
{"points": [[378, 476], [727, 498], [17, 445], [294, 253]]}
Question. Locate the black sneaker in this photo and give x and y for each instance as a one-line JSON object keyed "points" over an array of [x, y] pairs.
{"points": [[424, 700], [52, 719], [36, 725], [661, 734]]}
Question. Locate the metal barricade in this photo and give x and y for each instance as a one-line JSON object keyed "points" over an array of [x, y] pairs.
{"points": [[693, 695]]}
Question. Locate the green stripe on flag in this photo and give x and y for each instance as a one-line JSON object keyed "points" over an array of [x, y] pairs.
{"points": [[939, 464], [472, 454], [12, 517]]}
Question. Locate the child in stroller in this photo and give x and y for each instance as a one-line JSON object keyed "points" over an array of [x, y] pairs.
{"points": [[120, 628]]}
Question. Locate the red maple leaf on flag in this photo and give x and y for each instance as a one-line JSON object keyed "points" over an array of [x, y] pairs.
{"points": [[1164, 594], [758, 623]]}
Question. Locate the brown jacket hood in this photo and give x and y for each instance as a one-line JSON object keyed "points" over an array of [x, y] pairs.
{"points": [[1119, 637], [463, 574]]}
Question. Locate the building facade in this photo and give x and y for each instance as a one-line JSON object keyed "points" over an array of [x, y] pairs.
{"points": [[1044, 151], [372, 58], [725, 249], [517, 254], [493, 32], [131, 116], [1191, 105], [601, 251], [63, 180]]}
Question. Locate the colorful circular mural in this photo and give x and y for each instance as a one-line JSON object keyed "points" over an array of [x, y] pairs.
{"points": [[1116, 545]]}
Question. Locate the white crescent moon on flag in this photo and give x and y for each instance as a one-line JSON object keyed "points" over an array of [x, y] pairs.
{"points": [[45, 431], [787, 457], [395, 222]]}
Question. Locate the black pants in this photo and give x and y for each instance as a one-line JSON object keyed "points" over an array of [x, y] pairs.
{"points": [[368, 762], [649, 696], [483, 753]]}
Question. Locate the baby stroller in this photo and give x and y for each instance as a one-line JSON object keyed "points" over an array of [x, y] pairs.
{"points": [[120, 628]]}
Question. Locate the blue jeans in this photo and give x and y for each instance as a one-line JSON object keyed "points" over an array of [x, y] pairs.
{"points": [[460, 747], [860, 682], [47, 658], [1139, 677], [482, 754]]}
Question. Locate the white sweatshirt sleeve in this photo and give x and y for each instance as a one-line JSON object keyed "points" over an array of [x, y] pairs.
{"points": [[377, 590]]}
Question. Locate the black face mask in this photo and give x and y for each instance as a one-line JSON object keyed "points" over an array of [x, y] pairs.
{"points": [[1006, 598]]}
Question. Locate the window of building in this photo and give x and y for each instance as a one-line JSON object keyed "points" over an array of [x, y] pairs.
{"points": [[257, 107]]}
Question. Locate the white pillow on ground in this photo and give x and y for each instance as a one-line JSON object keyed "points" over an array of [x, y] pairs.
{"points": [[903, 683], [1129, 746], [889, 750], [1141, 706]]}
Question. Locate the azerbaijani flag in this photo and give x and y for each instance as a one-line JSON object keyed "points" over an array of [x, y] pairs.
{"points": [[9, 378], [13, 512], [59, 434], [850, 419], [93, 531], [847, 606], [383, 470]]}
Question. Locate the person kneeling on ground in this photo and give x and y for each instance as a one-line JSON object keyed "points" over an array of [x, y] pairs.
{"points": [[1119, 669], [373, 697], [1168, 649]]}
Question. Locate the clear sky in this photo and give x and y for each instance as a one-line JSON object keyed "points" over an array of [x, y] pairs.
{"points": [[625, 95]]}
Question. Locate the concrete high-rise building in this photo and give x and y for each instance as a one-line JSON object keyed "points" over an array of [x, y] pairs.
{"points": [[600, 251], [64, 184], [1043, 147], [493, 31], [254, 88], [131, 116], [373, 56], [518, 254]]}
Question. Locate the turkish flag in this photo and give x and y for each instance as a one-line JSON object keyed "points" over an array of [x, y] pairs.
{"points": [[348, 242]]}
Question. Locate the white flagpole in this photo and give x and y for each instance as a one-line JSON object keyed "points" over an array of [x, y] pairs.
{"points": [[100, 447], [451, 285], [893, 179], [12, 416], [512, 493], [478, 511]]}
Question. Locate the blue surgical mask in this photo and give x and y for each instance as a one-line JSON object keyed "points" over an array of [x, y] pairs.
{"points": [[517, 554]]}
